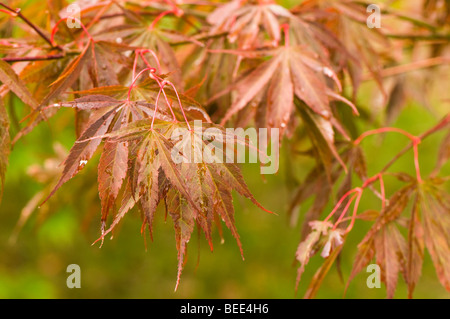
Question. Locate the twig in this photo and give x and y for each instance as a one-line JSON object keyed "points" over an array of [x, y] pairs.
{"points": [[35, 58], [419, 37], [31, 24], [442, 124], [404, 68], [205, 37], [414, 66]]}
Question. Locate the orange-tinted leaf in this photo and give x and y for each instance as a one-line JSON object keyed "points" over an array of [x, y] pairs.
{"points": [[436, 226], [415, 251], [83, 149], [5, 146], [320, 274], [444, 152], [390, 249], [321, 132], [183, 216], [9, 78], [112, 169]]}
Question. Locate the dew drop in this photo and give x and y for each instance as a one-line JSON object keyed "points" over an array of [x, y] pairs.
{"points": [[328, 72], [119, 40], [325, 114], [83, 162]]}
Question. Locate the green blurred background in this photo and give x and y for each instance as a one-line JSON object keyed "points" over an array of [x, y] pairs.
{"points": [[62, 231]]}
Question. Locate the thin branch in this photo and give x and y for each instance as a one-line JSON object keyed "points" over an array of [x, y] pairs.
{"points": [[35, 58], [415, 21], [31, 24], [442, 124], [205, 37], [404, 68], [419, 37]]}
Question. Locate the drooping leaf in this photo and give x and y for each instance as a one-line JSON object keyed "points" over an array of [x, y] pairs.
{"points": [[415, 251], [5, 146], [243, 21], [321, 132], [444, 152], [436, 225], [390, 247], [112, 170], [83, 150], [295, 71], [366, 252], [320, 274], [348, 21], [196, 187], [183, 216], [9, 78], [375, 240], [308, 247]]}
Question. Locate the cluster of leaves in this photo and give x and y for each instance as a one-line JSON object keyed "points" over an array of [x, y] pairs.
{"points": [[235, 63]]}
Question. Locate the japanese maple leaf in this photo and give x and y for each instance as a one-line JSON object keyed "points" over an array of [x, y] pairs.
{"points": [[14, 83], [434, 210], [385, 242], [242, 20], [243, 25], [108, 115], [92, 67], [195, 192], [293, 71], [150, 37], [347, 20], [390, 247]]}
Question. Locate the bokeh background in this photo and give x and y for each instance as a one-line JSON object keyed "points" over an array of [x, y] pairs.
{"points": [[33, 262]]}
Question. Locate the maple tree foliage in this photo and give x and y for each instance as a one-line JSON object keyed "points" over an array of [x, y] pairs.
{"points": [[136, 72]]}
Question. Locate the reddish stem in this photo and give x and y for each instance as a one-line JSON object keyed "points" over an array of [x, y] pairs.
{"points": [[161, 86], [134, 81], [179, 102], [285, 28], [415, 140], [159, 17], [416, 160], [142, 52], [383, 130], [177, 11], [17, 13], [355, 209], [344, 211], [55, 28], [11, 14], [383, 192], [156, 107], [358, 190]]}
